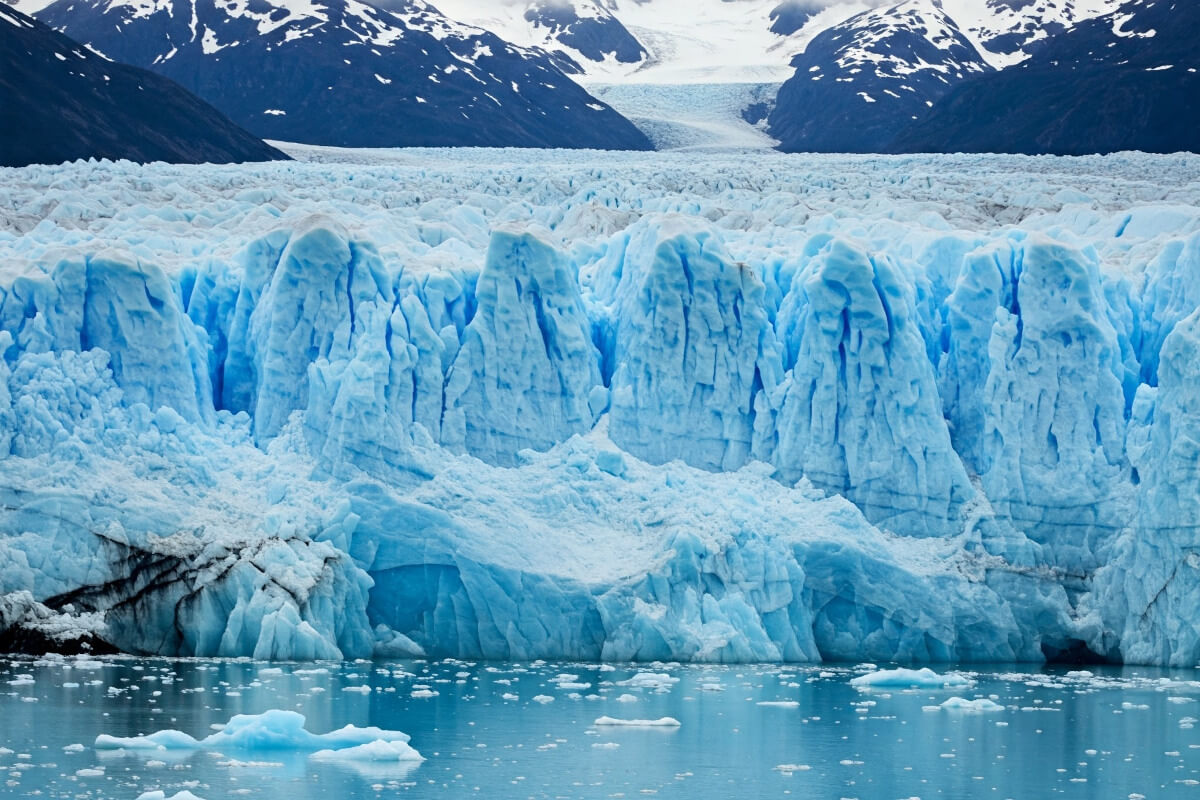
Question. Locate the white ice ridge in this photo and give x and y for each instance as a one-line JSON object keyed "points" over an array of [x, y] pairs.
{"points": [[665, 407], [276, 730]]}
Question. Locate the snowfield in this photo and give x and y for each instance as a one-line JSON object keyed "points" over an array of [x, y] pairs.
{"points": [[531, 404]]}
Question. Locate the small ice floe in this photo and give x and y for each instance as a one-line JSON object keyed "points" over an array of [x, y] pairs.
{"points": [[377, 750], [605, 745], [422, 693], [97, 772], [902, 678], [161, 795], [650, 680], [543, 699], [779, 703], [628, 698], [981, 704], [661, 722], [788, 769]]}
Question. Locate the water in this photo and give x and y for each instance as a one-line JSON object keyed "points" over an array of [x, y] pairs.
{"points": [[1119, 733]]}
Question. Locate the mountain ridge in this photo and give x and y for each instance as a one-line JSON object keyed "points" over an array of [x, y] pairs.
{"points": [[61, 102], [341, 72]]}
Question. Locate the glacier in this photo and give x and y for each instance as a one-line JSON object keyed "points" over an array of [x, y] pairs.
{"points": [[516, 405]]}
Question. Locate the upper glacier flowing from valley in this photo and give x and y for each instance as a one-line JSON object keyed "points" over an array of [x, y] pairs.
{"points": [[505, 404]]}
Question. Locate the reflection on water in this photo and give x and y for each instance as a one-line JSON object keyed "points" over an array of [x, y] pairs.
{"points": [[527, 730]]}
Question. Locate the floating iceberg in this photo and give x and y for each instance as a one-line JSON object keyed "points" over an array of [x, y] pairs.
{"points": [[644, 408], [379, 750], [661, 722], [902, 678], [981, 704], [276, 730]]}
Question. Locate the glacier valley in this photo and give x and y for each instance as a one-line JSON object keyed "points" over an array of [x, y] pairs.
{"points": [[516, 405]]}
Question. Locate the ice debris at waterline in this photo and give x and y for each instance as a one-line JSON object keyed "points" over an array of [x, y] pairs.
{"points": [[523, 405], [902, 678], [980, 704], [616, 722], [277, 730]]}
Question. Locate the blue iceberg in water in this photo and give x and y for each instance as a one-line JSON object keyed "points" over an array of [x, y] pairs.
{"points": [[565, 420], [276, 730]]}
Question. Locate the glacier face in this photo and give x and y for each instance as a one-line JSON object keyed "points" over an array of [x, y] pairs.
{"points": [[507, 404]]}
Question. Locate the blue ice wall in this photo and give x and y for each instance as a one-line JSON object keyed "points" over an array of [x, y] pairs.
{"points": [[609, 432]]}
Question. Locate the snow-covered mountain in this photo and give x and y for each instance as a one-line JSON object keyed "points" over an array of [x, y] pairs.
{"points": [[872, 75], [869, 73], [587, 28], [663, 41], [1007, 31], [856, 71], [60, 102], [1127, 80], [736, 41], [854, 74], [346, 73]]}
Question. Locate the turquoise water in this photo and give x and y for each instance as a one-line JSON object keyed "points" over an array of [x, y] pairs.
{"points": [[527, 730]]}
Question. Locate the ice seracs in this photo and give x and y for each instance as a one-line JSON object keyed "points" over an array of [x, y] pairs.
{"points": [[522, 405], [548, 387]]}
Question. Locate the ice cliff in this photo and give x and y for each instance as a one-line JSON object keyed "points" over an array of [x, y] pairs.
{"points": [[509, 405]]}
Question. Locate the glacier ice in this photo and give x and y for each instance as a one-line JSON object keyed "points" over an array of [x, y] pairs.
{"points": [[276, 730], [502, 404]]}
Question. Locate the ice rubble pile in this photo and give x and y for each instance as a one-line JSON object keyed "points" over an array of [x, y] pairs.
{"points": [[645, 409]]}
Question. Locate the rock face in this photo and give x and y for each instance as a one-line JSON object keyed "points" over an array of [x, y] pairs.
{"points": [[544, 409], [59, 101], [947, 76], [1125, 81], [349, 74], [870, 77]]}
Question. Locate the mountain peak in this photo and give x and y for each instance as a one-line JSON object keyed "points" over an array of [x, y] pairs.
{"points": [[343, 72]]}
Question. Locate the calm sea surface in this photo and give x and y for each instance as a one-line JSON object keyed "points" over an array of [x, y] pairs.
{"points": [[499, 730]]}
